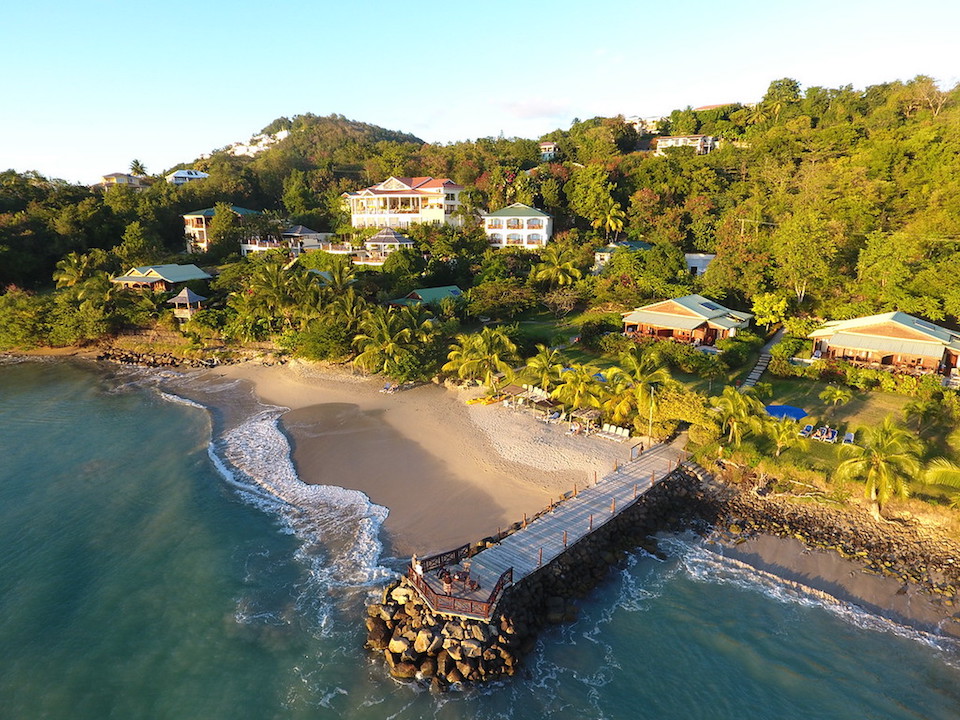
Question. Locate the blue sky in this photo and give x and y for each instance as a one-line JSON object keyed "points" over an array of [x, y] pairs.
{"points": [[89, 85]]}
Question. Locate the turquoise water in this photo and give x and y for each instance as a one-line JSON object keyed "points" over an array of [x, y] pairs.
{"points": [[142, 576]]}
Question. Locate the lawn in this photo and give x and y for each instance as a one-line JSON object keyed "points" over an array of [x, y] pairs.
{"points": [[865, 410]]}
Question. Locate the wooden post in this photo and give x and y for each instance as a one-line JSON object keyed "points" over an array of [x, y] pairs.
{"points": [[591, 522], [653, 478], [524, 519], [594, 477], [613, 506], [574, 489], [634, 491], [540, 557], [499, 534], [564, 538], [616, 465]]}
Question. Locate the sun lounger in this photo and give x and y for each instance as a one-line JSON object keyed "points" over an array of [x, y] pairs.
{"points": [[806, 432], [848, 438], [831, 436]]}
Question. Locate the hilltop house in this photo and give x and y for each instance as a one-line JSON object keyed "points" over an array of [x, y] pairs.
{"points": [[122, 180], [159, 277], [701, 144], [180, 177], [693, 319], [697, 263], [893, 340], [603, 255], [548, 151], [518, 225], [197, 223], [428, 296], [379, 247], [401, 202]]}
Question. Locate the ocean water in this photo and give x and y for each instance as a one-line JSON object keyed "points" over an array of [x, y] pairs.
{"points": [[158, 560]]}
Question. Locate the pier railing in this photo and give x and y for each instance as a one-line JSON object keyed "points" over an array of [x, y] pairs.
{"points": [[450, 557], [460, 605]]}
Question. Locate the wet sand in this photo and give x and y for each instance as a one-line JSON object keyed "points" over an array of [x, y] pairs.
{"points": [[846, 580]]}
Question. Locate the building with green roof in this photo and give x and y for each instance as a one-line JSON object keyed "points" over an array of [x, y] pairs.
{"points": [[692, 318], [197, 222], [893, 340], [159, 277], [518, 225], [428, 296], [603, 255]]}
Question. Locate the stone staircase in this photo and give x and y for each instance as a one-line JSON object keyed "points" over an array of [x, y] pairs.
{"points": [[757, 371]]}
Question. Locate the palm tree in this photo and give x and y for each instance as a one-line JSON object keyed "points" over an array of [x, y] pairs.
{"points": [[137, 168], [384, 342], [944, 473], [74, 268], [579, 387], [480, 356], [556, 267], [545, 368], [836, 395], [923, 413], [886, 460], [784, 433], [350, 307], [736, 410], [339, 277], [612, 219]]}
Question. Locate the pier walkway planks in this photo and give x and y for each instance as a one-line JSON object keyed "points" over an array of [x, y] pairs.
{"points": [[542, 540]]}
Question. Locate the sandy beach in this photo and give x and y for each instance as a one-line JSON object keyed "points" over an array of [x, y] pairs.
{"points": [[448, 472]]}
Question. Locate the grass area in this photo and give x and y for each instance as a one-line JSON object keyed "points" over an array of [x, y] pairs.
{"points": [[865, 410]]}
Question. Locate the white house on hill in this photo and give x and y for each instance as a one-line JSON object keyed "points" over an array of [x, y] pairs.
{"points": [[181, 177], [401, 202], [518, 225]]}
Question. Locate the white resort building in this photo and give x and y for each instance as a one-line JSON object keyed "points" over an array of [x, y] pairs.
{"points": [[701, 144], [518, 225], [401, 202], [181, 177]]}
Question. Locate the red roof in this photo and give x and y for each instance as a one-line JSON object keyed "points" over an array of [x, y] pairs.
{"points": [[425, 185]]}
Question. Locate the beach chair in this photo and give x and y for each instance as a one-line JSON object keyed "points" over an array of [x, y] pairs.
{"points": [[605, 430], [831, 436], [806, 432], [623, 433], [848, 438]]}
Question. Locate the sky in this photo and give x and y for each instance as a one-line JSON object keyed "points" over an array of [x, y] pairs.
{"points": [[87, 86]]}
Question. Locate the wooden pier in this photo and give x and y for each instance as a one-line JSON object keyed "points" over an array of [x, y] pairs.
{"points": [[474, 585]]}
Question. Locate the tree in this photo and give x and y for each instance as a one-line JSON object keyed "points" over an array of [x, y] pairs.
{"points": [[75, 268], [557, 266], [480, 356], [225, 231], [836, 395], [736, 410], [545, 368], [611, 220], [804, 249], [885, 460], [384, 343], [589, 192], [769, 308], [784, 433], [137, 168], [579, 387], [139, 246]]}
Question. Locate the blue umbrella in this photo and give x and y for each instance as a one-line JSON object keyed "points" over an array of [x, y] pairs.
{"points": [[782, 411]]}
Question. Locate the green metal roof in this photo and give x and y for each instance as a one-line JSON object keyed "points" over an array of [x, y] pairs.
{"points": [[428, 296], [888, 346], [632, 245], [210, 212], [707, 311], [935, 333], [170, 273], [517, 210]]}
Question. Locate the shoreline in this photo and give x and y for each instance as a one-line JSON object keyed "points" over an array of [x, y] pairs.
{"points": [[485, 466]]}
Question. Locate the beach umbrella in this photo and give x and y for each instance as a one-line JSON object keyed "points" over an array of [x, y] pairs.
{"points": [[790, 411]]}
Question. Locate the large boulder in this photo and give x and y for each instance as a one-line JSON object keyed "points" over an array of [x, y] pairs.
{"points": [[401, 595], [471, 648], [404, 670], [398, 645], [378, 635], [423, 641], [453, 648]]}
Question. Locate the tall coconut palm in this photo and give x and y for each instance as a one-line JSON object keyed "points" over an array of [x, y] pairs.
{"points": [[886, 460], [384, 342], [339, 277], [480, 356], [612, 219], [556, 267], [545, 368], [736, 410], [923, 414], [74, 268], [783, 432], [579, 387], [137, 168]]}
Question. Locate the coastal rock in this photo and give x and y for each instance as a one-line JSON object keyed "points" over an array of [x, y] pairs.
{"points": [[401, 595], [378, 635], [428, 668], [398, 645], [471, 648], [404, 670], [423, 641], [453, 648]]}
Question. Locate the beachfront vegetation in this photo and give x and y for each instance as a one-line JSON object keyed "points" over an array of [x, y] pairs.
{"points": [[826, 202]]}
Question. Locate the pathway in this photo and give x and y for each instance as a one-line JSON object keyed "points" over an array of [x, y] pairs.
{"points": [[762, 362], [547, 536]]}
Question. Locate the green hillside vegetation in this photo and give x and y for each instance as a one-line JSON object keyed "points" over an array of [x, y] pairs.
{"points": [[819, 203]]}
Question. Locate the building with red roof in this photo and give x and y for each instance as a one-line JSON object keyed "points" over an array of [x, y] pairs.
{"points": [[399, 202]]}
